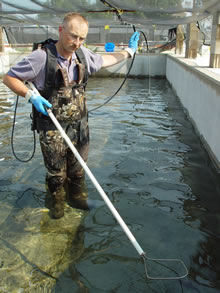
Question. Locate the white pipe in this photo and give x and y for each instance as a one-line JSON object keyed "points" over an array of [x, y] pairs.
{"points": [[93, 179]]}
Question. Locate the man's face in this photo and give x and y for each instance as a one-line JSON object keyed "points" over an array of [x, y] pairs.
{"points": [[72, 35]]}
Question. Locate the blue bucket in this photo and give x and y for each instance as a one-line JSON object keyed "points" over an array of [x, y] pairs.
{"points": [[109, 47]]}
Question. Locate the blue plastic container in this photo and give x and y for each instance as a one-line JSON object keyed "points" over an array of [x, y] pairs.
{"points": [[109, 47]]}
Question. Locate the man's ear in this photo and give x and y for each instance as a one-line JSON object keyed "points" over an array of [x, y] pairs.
{"points": [[60, 28]]}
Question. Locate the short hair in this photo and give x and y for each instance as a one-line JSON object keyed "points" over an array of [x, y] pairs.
{"points": [[71, 15]]}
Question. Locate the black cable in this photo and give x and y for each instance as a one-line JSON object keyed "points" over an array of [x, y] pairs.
{"points": [[110, 98], [115, 9], [145, 40], [204, 37], [12, 137]]}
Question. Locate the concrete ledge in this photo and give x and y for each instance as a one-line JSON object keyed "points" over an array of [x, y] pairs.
{"points": [[200, 68]]}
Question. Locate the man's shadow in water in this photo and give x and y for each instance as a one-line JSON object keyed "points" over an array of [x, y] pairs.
{"points": [[21, 218], [71, 279]]}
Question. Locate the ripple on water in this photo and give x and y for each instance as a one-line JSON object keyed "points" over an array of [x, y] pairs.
{"points": [[149, 161]]}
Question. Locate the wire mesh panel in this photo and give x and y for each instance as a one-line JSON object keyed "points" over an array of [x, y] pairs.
{"points": [[100, 12], [29, 21]]}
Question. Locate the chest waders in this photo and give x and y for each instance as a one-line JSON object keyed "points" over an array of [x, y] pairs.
{"points": [[64, 179]]}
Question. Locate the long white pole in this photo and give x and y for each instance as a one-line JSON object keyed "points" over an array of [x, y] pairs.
{"points": [[94, 181]]}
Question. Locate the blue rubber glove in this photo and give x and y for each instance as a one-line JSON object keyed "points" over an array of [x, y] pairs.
{"points": [[39, 102], [133, 42]]}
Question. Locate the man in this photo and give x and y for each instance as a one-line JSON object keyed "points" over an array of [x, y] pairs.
{"points": [[63, 90]]}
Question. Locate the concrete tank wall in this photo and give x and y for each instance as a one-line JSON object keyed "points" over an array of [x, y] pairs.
{"points": [[144, 65], [8, 59], [198, 88]]}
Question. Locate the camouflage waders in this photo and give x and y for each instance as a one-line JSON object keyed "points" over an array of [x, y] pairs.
{"points": [[64, 173]]}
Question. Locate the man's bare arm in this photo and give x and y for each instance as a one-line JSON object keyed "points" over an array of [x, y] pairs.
{"points": [[15, 84], [114, 58]]}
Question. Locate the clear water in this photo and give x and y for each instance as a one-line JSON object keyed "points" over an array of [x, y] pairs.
{"points": [[150, 162]]}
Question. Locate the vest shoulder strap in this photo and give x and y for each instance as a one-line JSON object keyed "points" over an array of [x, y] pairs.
{"points": [[51, 68], [51, 64], [82, 59]]}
